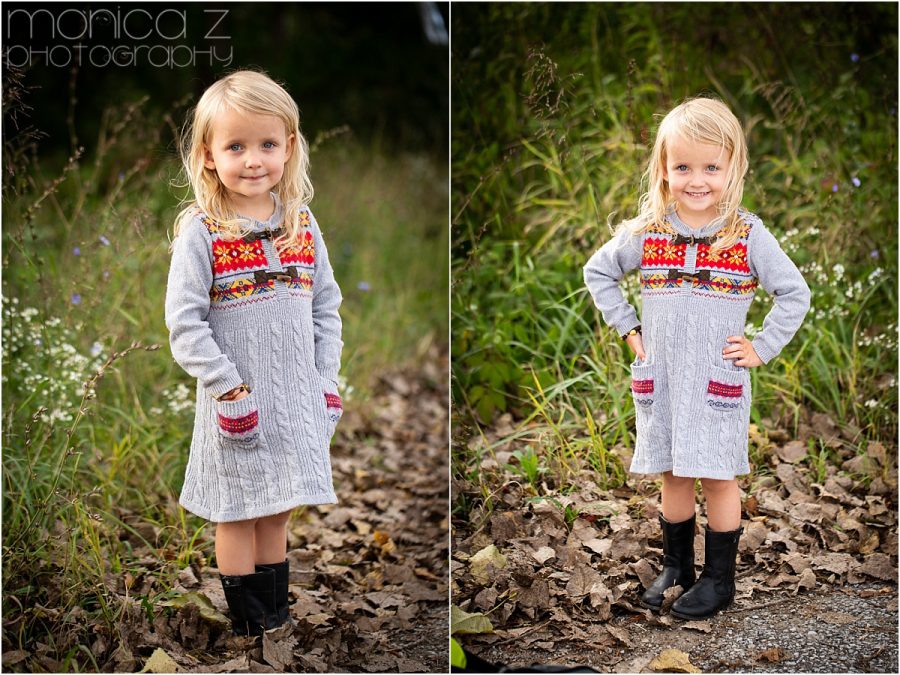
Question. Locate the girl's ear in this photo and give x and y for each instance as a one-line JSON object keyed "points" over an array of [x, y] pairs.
{"points": [[208, 160], [289, 147]]}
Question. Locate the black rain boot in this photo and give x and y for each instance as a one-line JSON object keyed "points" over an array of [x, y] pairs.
{"points": [[282, 573], [678, 561], [715, 588], [251, 601]]}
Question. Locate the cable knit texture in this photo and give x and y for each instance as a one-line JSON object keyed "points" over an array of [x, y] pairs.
{"points": [[245, 311], [692, 406]]}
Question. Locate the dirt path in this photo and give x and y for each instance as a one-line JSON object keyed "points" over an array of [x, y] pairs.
{"points": [[836, 630]]}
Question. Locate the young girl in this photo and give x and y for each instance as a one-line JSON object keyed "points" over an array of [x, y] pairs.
{"points": [[701, 257], [252, 310]]}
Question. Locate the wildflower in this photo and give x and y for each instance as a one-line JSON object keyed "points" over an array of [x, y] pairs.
{"points": [[96, 349], [871, 403], [76, 251], [856, 181], [873, 253], [834, 188], [104, 240], [76, 299], [121, 176], [364, 286], [854, 57], [105, 275]]}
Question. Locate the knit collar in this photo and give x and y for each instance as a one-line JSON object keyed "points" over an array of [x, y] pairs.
{"points": [[274, 220], [683, 228]]}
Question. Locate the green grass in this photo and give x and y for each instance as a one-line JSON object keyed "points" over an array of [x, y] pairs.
{"points": [[91, 474], [554, 108]]}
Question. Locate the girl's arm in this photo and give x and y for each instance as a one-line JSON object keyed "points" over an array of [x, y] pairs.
{"points": [[187, 308], [781, 278], [325, 303], [602, 275]]}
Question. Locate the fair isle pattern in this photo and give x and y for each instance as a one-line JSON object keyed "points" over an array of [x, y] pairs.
{"points": [[235, 262], [239, 426], [723, 396], [729, 272], [334, 406]]}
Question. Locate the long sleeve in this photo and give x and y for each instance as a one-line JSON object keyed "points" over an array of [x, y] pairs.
{"points": [[779, 276], [326, 320], [602, 275], [187, 309]]}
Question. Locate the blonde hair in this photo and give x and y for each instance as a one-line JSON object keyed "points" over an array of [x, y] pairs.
{"points": [[243, 91], [699, 120]]}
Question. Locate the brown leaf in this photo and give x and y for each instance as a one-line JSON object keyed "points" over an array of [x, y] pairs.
{"points": [[791, 452], [879, 566], [673, 661], [837, 618], [543, 554], [581, 581], [536, 595], [772, 655], [278, 653]]}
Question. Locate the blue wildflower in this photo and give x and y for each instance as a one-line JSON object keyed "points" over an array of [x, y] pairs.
{"points": [[874, 253], [854, 57], [834, 188], [76, 251], [364, 286], [96, 349], [104, 240], [856, 181], [76, 299]]}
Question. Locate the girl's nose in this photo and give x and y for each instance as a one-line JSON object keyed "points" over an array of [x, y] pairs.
{"points": [[252, 160]]}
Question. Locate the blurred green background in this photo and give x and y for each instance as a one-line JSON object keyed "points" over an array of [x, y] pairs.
{"points": [[88, 207], [554, 107]]}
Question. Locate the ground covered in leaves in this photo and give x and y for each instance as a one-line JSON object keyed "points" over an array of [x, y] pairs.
{"points": [[369, 578], [563, 588]]}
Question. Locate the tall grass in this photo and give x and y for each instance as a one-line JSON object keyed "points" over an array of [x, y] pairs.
{"points": [[97, 416], [554, 108]]}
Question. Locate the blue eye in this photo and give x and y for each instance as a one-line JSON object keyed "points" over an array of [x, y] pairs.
{"points": [[234, 145], [269, 144], [712, 167], [681, 167]]}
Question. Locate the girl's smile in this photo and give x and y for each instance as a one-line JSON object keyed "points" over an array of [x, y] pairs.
{"points": [[696, 175]]}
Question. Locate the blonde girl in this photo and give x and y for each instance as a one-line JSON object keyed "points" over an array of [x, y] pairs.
{"points": [[252, 310], [701, 256]]}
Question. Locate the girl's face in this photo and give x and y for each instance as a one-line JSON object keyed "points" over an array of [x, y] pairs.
{"points": [[696, 175], [248, 152]]}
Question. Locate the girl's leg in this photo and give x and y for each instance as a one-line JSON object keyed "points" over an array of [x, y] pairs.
{"points": [[677, 497], [271, 539], [234, 547], [723, 504]]}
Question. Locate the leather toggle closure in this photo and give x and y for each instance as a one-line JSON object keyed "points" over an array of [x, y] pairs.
{"points": [[691, 240], [264, 234], [263, 276], [702, 275]]}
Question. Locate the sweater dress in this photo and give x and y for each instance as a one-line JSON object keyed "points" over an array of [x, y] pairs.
{"points": [[246, 312], [692, 406]]}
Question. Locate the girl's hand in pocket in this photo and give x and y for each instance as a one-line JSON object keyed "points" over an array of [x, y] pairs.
{"points": [[637, 345]]}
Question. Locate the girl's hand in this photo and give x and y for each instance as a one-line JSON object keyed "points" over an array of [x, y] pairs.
{"points": [[743, 352], [241, 394], [637, 345]]}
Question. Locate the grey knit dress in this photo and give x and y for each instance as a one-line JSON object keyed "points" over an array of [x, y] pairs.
{"points": [[244, 311], [692, 406]]}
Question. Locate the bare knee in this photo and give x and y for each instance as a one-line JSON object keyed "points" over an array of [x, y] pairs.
{"points": [[677, 482], [237, 526], [715, 486], [274, 521]]}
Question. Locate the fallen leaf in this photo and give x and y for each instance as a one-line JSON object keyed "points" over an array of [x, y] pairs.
{"points": [[465, 623], [673, 661], [487, 557], [203, 603], [160, 662], [772, 655], [879, 565], [791, 452], [543, 554]]}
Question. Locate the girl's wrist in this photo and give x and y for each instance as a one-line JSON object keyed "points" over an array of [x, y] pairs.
{"points": [[234, 393]]}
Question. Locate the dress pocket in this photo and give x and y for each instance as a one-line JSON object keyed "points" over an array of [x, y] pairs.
{"points": [[643, 389], [725, 389], [334, 407], [238, 422]]}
